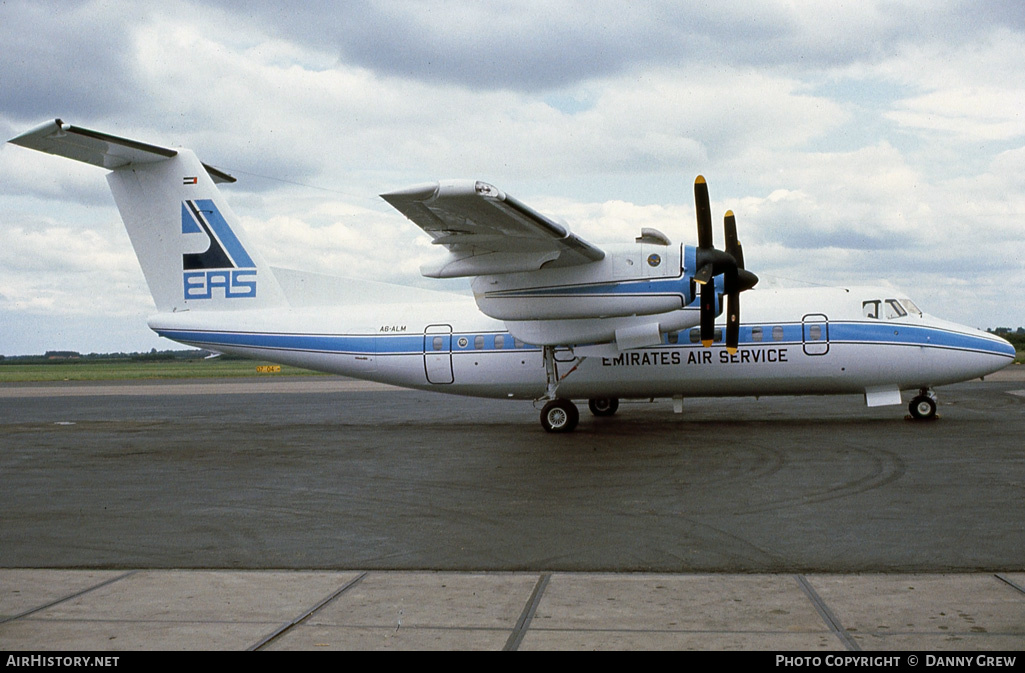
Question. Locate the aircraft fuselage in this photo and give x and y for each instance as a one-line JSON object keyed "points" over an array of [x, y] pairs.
{"points": [[816, 341]]}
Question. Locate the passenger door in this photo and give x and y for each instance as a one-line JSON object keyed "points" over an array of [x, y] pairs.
{"points": [[815, 334], [438, 354]]}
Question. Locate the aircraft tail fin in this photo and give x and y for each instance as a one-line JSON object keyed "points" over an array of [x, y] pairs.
{"points": [[193, 250]]}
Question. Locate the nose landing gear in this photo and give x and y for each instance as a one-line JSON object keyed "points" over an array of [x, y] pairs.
{"points": [[923, 406]]}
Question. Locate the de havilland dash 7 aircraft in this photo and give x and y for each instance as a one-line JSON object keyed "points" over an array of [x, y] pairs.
{"points": [[552, 319]]}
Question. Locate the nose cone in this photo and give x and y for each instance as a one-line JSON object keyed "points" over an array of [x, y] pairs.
{"points": [[990, 352], [961, 353], [1002, 346]]}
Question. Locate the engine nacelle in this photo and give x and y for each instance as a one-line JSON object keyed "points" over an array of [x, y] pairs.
{"points": [[622, 333], [643, 279]]}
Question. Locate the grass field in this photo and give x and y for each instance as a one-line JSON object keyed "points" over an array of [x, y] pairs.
{"points": [[114, 370]]}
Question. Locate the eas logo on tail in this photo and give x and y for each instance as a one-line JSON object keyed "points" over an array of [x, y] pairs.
{"points": [[224, 268]]}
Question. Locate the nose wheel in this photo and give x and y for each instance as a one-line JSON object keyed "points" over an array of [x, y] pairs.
{"points": [[923, 406]]}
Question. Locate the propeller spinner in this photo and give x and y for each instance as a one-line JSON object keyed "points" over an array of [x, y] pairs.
{"points": [[712, 262]]}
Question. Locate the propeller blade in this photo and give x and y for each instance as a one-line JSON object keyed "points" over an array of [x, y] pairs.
{"points": [[739, 255], [732, 311], [704, 274], [707, 314], [729, 223], [733, 326], [704, 212], [745, 280], [733, 247]]}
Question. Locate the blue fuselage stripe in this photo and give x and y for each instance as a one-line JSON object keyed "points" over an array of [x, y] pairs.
{"points": [[836, 333]]}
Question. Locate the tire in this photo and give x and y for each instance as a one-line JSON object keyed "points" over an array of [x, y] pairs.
{"points": [[922, 407], [603, 406], [559, 416]]}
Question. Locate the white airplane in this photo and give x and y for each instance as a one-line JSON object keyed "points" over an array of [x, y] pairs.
{"points": [[552, 318]]}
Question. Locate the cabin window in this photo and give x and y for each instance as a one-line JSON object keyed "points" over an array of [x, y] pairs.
{"points": [[478, 343], [438, 343], [814, 332], [695, 335], [673, 338], [517, 343], [499, 342], [777, 333], [870, 309], [756, 334]]}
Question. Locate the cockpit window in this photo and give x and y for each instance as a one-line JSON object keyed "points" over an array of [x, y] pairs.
{"points": [[894, 309], [910, 306]]}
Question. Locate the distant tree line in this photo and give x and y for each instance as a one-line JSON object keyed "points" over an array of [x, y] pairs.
{"points": [[70, 357]]}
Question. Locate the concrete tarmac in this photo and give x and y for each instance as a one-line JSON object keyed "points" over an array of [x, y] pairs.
{"points": [[322, 512], [113, 610]]}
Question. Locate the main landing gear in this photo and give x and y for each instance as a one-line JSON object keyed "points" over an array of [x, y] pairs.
{"points": [[923, 406], [603, 406], [560, 414]]}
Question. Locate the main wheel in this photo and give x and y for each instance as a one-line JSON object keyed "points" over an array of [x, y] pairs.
{"points": [[560, 416], [922, 407], [603, 406]]}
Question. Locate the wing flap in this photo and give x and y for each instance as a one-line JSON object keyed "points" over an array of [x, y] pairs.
{"points": [[486, 231]]}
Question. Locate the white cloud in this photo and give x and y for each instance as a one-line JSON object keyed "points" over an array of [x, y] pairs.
{"points": [[52, 268]]}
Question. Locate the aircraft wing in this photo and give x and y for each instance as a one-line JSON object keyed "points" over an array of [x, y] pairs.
{"points": [[488, 232]]}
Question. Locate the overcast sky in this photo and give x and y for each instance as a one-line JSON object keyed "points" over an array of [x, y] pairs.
{"points": [[858, 142]]}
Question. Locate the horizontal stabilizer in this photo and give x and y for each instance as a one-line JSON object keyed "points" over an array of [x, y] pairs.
{"points": [[99, 149]]}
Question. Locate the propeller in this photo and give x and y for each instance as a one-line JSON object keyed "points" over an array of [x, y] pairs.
{"points": [[712, 262]]}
